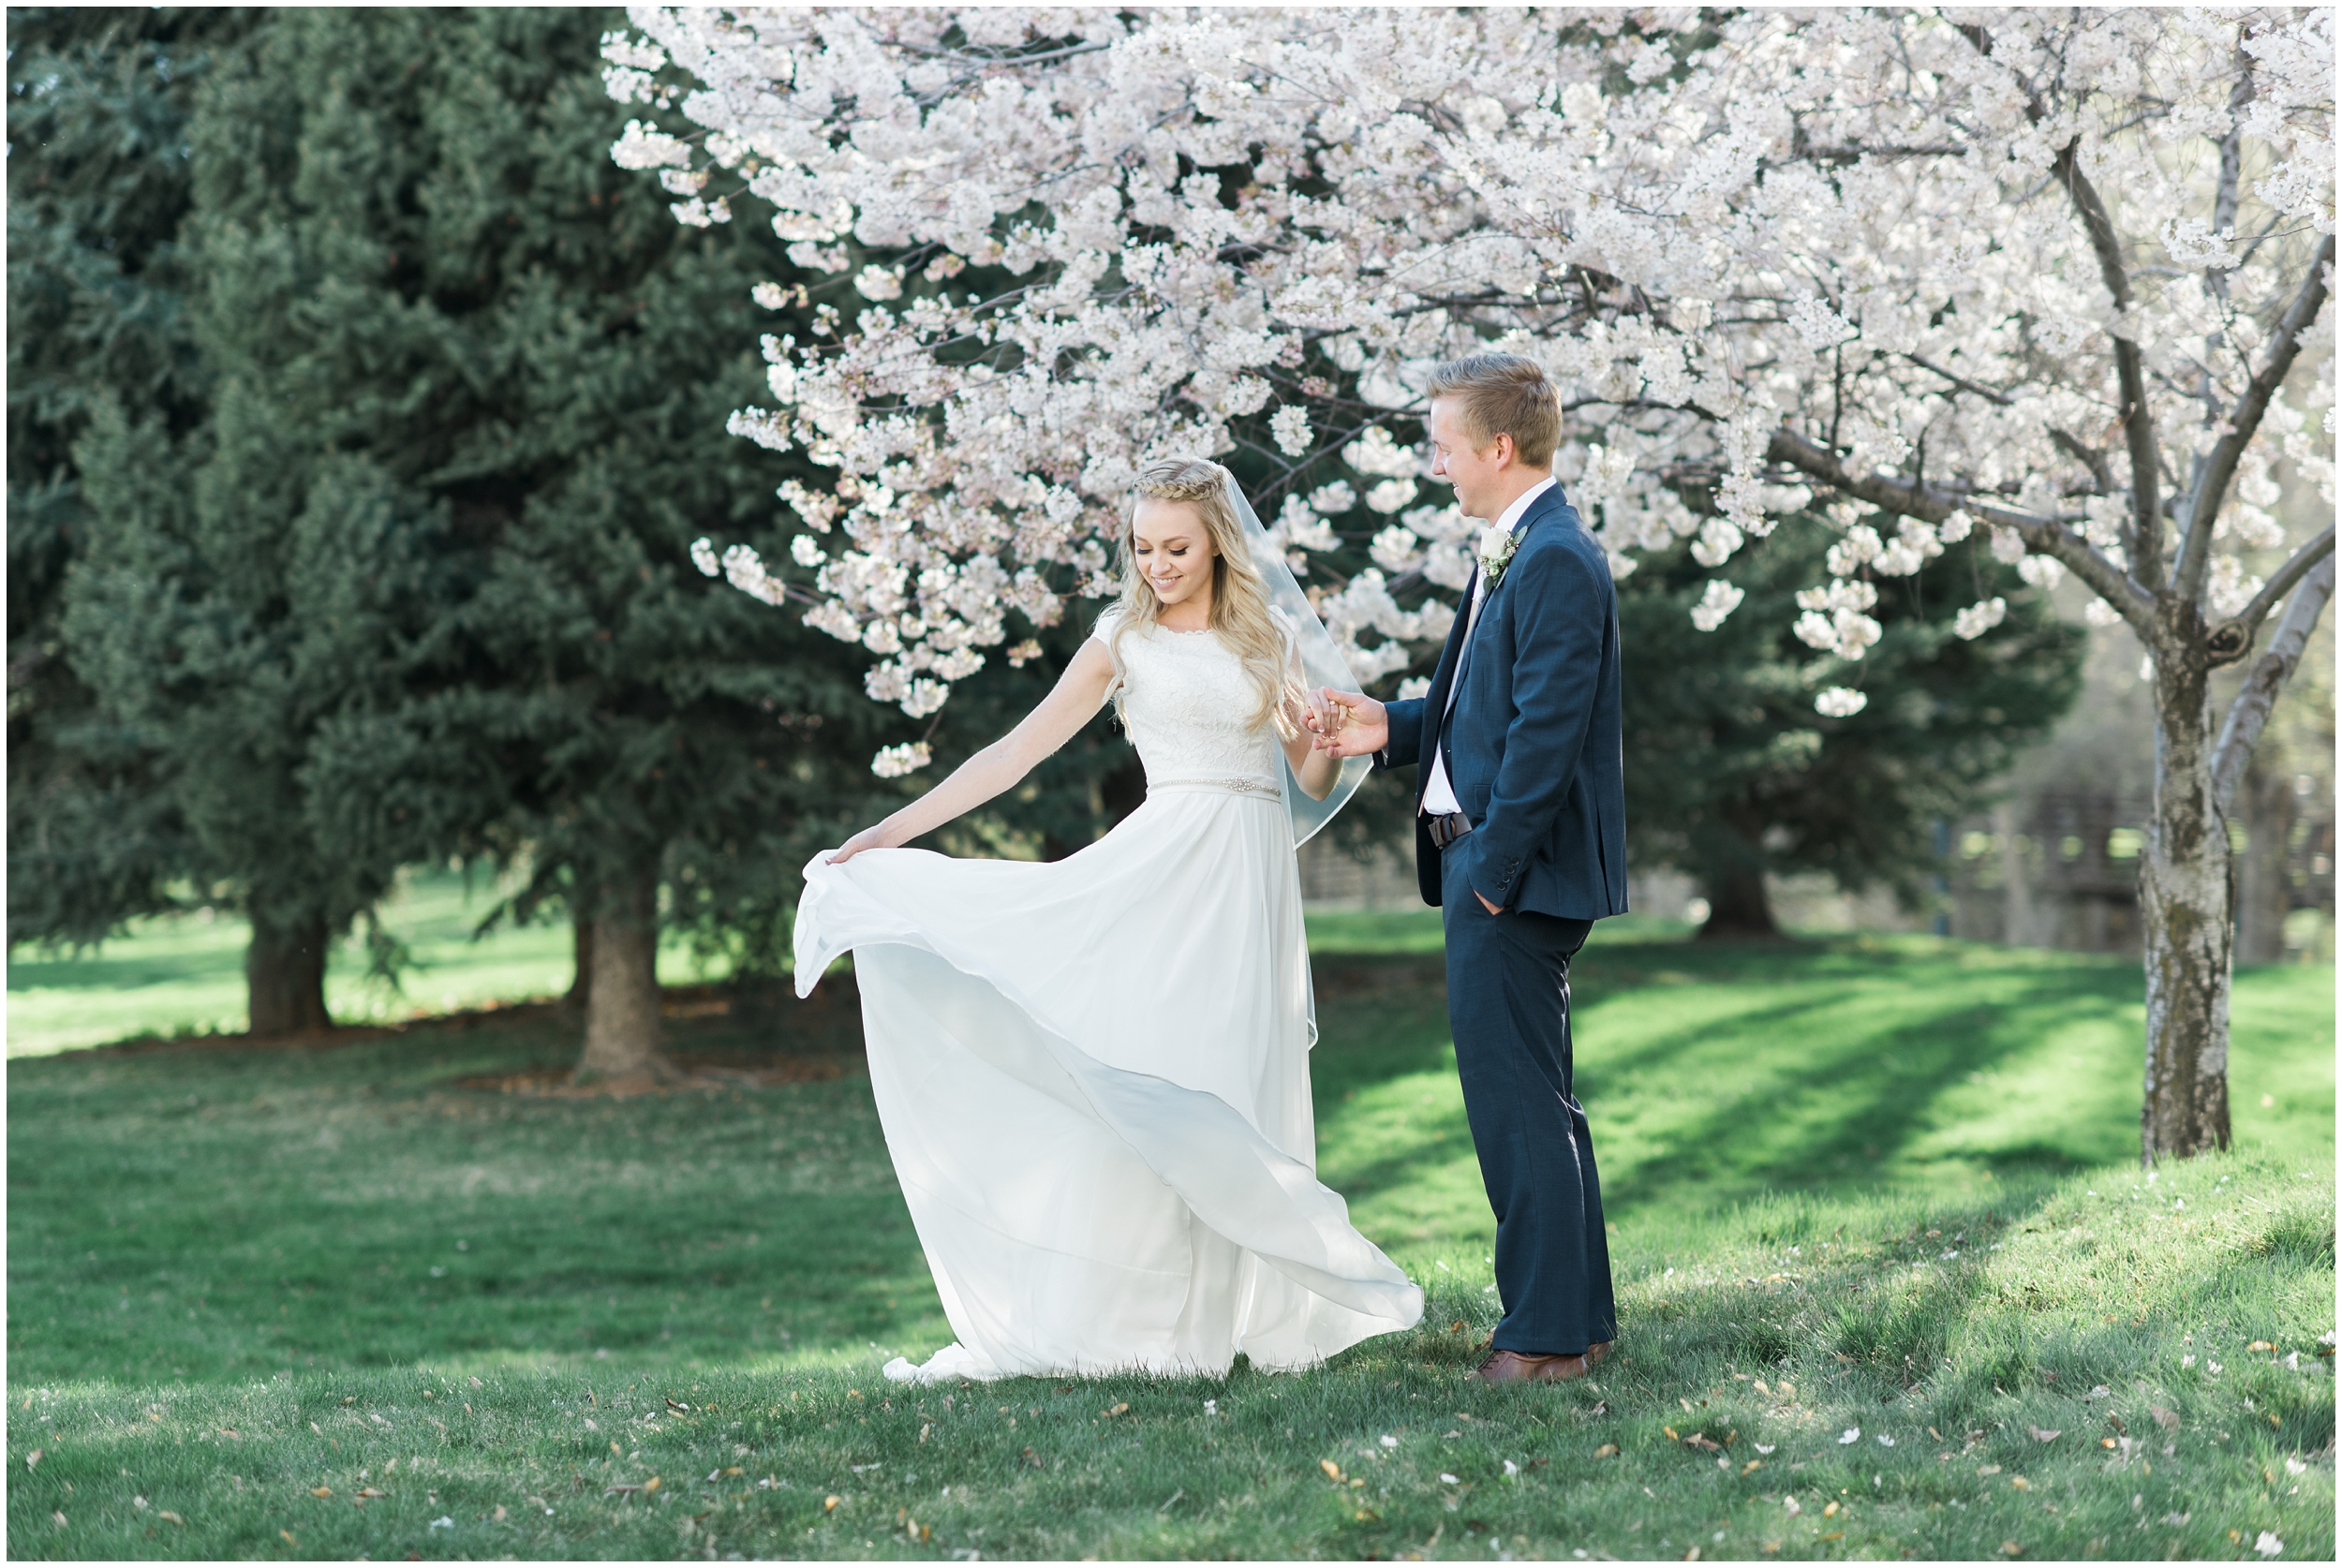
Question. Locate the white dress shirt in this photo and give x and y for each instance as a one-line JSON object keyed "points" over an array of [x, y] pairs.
{"points": [[1439, 796]]}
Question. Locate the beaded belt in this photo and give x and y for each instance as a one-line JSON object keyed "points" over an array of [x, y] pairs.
{"points": [[1229, 783]]}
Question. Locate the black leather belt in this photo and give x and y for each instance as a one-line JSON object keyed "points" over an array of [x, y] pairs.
{"points": [[1447, 827]]}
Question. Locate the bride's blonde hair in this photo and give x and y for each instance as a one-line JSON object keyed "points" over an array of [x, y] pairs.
{"points": [[1239, 599]]}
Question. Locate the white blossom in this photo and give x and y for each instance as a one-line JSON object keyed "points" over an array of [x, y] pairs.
{"points": [[1395, 549], [1289, 426], [1841, 703], [1841, 227], [1842, 594], [648, 147], [875, 281], [1378, 454], [2043, 571], [1719, 600], [1861, 546], [1977, 619], [703, 556], [1718, 537], [1845, 632], [897, 761], [2231, 586], [1334, 499], [745, 570]]}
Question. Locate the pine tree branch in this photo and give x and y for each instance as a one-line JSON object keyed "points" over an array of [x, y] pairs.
{"points": [[2194, 555], [2232, 639], [2249, 714], [2144, 535], [1933, 503]]}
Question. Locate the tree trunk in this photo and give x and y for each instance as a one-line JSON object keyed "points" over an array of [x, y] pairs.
{"points": [[1738, 909], [2016, 889], [582, 973], [2185, 892], [2264, 889], [623, 1048], [283, 977]]}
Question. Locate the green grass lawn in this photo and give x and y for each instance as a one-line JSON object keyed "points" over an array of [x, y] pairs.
{"points": [[366, 1298], [184, 975]]}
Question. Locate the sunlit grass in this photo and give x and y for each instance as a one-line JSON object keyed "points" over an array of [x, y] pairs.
{"points": [[184, 975], [213, 1247]]}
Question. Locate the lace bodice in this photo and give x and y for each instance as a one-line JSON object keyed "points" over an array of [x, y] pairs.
{"points": [[1189, 707]]}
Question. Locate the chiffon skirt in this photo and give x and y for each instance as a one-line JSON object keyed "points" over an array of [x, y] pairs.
{"points": [[1093, 1077]]}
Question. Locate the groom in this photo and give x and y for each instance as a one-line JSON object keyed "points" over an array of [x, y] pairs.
{"points": [[1520, 839]]}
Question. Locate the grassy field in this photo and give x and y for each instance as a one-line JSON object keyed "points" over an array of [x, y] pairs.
{"points": [[184, 975], [380, 1298]]}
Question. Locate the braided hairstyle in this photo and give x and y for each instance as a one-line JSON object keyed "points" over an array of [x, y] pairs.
{"points": [[1240, 615]]}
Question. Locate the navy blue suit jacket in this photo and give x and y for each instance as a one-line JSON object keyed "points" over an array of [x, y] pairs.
{"points": [[1532, 743]]}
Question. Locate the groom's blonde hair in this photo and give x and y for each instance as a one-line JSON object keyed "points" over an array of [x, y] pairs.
{"points": [[1504, 394], [1239, 597]]}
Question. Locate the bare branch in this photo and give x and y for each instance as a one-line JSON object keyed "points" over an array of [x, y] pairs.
{"points": [[2249, 714], [2143, 537], [2089, 457], [1999, 400], [2194, 555], [2232, 639], [1933, 503]]}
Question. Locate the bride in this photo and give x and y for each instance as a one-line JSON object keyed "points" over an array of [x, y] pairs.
{"points": [[1093, 1075]]}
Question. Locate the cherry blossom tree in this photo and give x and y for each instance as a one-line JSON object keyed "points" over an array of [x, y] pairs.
{"points": [[2051, 285]]}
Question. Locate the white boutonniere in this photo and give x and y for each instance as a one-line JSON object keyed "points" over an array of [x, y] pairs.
{"points": [[1497, 544]]}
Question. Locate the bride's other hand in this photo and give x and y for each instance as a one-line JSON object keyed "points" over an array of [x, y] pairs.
{"points": [[869, 839], [1361, 727]]}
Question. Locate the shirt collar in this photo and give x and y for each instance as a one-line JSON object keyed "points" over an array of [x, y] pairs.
{"points": [[1511, 520]]}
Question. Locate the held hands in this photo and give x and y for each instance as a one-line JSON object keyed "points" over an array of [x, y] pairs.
{"points": [[1348, 723]]}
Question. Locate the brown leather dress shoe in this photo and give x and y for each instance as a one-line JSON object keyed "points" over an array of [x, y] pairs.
{"points": [[1596, 1355], [1513, 1367]]}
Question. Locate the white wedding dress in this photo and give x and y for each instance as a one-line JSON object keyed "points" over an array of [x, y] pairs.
{"points": [[1093, 1075]]}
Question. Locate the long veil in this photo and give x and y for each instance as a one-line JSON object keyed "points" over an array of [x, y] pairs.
{"points": [[1322, 664]]}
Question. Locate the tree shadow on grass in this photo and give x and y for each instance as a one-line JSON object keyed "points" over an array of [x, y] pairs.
{"points": [[1834, 1079]]}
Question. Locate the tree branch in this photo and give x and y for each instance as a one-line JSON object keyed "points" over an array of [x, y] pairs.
{"points": [[1999, 400], [2249, 714], [2089, 457], [1933, 503], [2232, 639], [2145, 541], [2195, 555]]}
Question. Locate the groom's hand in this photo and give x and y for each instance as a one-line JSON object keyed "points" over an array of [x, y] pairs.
{"points": [[1360, 726], [1484, 904]]}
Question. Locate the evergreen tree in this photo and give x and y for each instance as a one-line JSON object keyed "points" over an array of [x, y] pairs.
{"points": [[433, 594], [1731, 773], [99, 190]]}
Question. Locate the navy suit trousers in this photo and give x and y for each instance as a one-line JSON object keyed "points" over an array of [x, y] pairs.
{"points": [[1509, 1007]]}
